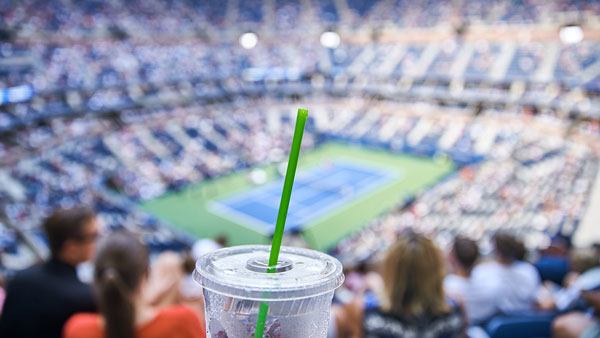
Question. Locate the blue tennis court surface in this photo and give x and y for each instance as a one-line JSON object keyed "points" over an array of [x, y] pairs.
{"points": [[317, 191]]}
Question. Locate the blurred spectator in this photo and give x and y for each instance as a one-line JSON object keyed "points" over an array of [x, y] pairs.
{"points": [[553, 265], [579, 324], [190, 290], [467, 284], [515, 282], [163, 287], [120, 275], [564, 299], [520, 280], [582, 260], [462, 259], [413, 302], [40, 299]]}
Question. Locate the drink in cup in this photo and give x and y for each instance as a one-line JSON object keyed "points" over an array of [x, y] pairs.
{"points": [[298, 293]]}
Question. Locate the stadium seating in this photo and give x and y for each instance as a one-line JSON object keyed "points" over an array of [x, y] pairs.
{"points": [[117, 73], [116, 103], [147, 157], [521, 326]]}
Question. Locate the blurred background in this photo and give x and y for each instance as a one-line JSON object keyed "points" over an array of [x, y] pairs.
{"points": [[174, 119]]}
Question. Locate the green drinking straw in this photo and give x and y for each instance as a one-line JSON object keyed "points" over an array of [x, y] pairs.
{"points": [[283, 210]]}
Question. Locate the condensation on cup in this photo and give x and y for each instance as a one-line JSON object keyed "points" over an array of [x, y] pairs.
{"points": [[298, 294]]}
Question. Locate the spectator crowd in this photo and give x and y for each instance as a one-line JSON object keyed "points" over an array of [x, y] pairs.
{"points": [[413, 289], [105, 104]]}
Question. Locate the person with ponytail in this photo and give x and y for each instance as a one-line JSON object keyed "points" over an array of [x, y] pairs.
{"points": [[121, 270]]}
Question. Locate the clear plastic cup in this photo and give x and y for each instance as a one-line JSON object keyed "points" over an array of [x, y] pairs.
{"points": [[298, 294]]}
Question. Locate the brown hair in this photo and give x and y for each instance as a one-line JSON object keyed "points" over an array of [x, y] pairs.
{"points": [[65, 224], [121, 264], [413, 275], [508, 247], [189, 264], [466, 252], [583, 260]]}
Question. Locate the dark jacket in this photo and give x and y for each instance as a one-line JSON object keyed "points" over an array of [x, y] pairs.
{"points": [[39, 300]]}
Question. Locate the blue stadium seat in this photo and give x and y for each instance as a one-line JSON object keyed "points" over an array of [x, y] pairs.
{"points": [[526, 325]]}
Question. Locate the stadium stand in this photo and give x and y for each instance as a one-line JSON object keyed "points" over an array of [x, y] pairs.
{"points": [[115, 103]]}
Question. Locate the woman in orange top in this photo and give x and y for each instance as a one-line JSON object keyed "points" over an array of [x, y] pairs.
{"points": [[121, 269]]}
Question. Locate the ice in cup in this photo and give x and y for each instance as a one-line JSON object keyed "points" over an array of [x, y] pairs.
{"points": [[299, 293]]}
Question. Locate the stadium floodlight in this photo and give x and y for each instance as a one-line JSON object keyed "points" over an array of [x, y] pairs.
{"points": [[571, 34], [248, 40], [330, 39]]}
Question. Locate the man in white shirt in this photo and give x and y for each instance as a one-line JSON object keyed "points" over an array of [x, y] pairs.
{"points": [[470, 285], [519, 281], [515, 282], [505, 285]]}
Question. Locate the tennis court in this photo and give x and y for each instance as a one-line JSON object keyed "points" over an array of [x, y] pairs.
{"points": [[316, 191], [338, 189]]}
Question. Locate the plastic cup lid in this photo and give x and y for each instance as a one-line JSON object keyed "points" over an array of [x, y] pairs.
{"points": [[240, 272]]}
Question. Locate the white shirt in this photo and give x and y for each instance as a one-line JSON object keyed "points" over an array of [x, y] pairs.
{"points": [[494, 287], [589, 280], [516, 285], [477, 295]]}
